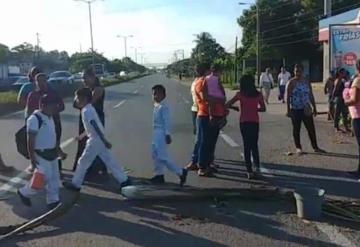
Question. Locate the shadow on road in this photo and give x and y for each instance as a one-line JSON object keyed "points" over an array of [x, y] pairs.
{"points": [[336, 183], [186, 223]]}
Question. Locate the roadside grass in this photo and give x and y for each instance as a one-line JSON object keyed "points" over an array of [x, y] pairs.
{"points": [[8, 97]]}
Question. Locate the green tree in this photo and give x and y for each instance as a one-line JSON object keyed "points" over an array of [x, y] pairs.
{"points": [[4, 53], [23, 52], [53, 60], [287, 28], [80, 61], [130, 65], [116, 66], [206, 49]]}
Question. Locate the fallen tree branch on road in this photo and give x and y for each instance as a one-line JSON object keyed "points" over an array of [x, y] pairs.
{"points": [[7, 232]]}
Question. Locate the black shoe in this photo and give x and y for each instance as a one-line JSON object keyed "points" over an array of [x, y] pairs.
{"points": [[25, 200], [319, 151], [183, 177], [158, 179], [126, 183], [53, 205], [69, 186]]}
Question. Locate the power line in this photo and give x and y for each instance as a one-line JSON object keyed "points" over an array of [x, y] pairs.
{"points": [[277, 6], [317, 9], [308, 18], [290, 34], [293, 42], [289, 17]]}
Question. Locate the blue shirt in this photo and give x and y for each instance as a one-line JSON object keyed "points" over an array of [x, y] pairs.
{"points": [[24, 92], [300, 96], [161, 117]]}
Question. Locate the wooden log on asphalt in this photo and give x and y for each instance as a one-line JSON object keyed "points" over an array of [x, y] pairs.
{"points": [[45, 218], [173, 193]]}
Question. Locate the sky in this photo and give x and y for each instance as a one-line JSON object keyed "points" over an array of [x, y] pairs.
{"points": [[159, 27]]}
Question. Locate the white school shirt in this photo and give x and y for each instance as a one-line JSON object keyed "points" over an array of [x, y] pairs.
{"points": [[161, 117], [194, 107], [88, 113], [45, 135], [283, 78]]}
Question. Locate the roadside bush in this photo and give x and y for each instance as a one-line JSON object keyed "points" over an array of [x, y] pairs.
{"points": [[8, 97]]}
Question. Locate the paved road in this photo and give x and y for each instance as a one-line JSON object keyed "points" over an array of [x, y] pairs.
{"points": [[102, 218]]}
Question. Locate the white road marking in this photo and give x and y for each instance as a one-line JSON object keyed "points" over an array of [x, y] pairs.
{"points": [[186, 101], [228, 140], [135, 92], [10, 186], [120, 104], [335, 236], [66, 143]]}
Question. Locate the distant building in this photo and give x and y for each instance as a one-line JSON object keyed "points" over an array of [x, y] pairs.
{"points": [[345, 58]]}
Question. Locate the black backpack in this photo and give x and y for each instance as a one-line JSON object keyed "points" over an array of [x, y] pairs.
{"points": [[21, 139]]}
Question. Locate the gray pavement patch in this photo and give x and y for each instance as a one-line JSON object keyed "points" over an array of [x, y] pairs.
{"points": [[334, 235]]}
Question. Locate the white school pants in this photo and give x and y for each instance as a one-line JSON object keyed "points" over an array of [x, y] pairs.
{"points": [[50, 169], [95, 147], [160, 154]]}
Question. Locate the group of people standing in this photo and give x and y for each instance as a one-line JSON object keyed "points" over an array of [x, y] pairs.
{"points": [[210, 108], [209, 111], [344, 99]]}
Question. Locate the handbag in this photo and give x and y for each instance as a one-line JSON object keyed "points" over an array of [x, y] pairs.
{"points": [[38, 180]]}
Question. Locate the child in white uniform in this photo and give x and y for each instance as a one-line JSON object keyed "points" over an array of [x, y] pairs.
{"points": [[162, 138], [96, 145], [43, 153]]}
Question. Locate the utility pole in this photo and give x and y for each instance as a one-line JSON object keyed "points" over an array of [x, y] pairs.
{"points": [[235, 62], [182, 52], [125, 37], [258, 56], [258, 61], [327, 8], [89, 2], [91, 35], [136, 52], [142, 56], [37, 48]]}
